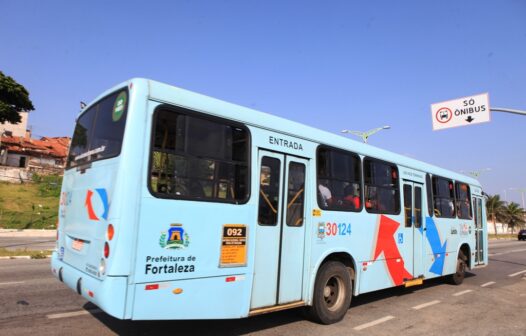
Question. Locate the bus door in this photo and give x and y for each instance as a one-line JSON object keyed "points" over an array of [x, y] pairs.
{"points": [[414, 218], [280, 230], [479, 231]]}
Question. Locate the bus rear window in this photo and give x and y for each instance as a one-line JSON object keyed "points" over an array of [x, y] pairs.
{"points": [[99, 131], [198, 158]]}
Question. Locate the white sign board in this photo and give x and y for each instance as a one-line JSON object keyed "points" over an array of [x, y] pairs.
{"points": [[460, 112]]}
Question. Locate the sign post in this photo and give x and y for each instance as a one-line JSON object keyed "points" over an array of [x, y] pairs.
{"points": [[461, 112]]}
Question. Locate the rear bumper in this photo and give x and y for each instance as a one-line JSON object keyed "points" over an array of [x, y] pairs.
{"points": [[108, 294]]}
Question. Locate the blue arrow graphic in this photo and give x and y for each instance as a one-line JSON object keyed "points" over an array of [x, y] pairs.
{"points": [[439, 251], [104, 197]]}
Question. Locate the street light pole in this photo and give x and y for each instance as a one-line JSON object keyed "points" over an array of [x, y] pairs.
{"points": [[522, 191], [507, 110], [365, 135]]}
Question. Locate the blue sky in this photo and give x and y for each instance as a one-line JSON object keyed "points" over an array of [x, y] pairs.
{"points": [[328, 64]]}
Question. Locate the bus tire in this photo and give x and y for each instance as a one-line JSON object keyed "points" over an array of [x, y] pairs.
{"points": [[332, 293], [458, 277]]}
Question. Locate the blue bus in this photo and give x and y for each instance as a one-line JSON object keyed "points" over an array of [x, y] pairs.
{"points": [[175, 205]]}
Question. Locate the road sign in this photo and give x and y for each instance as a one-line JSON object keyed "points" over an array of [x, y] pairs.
{"points": [[461, 112]]}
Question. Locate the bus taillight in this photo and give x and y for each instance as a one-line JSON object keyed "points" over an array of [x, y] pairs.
{"points": [[106, 250], [110, 232]]}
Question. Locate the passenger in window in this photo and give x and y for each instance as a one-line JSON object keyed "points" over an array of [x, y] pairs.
{"points": [[351, 197], [370, 202], [324, 194], [451, 208], [463, 209]]}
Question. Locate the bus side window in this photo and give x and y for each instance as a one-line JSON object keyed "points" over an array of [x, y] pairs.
{"points": [[195, 158], [381, 185], [443, 197], [339, 180], [463, 203]]}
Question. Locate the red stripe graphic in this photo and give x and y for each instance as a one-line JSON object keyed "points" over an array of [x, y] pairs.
{"points": [[89, 206], [385, 242]]}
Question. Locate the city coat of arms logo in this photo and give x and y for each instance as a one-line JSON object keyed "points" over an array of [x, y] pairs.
{"points": [[175, 238]]}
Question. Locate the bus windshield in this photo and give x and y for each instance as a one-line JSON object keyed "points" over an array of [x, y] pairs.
{"points": [[99, 131]]}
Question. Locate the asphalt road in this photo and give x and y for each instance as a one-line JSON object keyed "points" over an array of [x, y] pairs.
{"points": [[492, 301], [27, 239], [29, 243]]}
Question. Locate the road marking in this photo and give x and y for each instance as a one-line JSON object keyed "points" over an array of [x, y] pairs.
{"points": [[488, 284], [463, 292], [506, 252], [373, 323], [11, 283], [427, 304], [73, 314], [515, 274]]}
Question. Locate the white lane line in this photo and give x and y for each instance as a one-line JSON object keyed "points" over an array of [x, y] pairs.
{"points": [[515, 274], [505, 252], [373, 323], [463, 292], [427, 304], [73, 314], [11, 283], [488, 284]]}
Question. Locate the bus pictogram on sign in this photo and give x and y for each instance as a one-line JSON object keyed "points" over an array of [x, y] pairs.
{"points": [[444, 115]]}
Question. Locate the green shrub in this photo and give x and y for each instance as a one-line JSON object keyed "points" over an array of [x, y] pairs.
{"points": [[48, 185]]}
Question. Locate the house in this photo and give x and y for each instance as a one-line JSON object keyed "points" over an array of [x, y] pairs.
{"points": [[20, 129], [45, 154]]}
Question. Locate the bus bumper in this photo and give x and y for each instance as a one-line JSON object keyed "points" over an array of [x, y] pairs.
{"points": [[108, 294]]}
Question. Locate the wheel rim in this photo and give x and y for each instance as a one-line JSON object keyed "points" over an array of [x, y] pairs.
{"points": [[333, 293]]}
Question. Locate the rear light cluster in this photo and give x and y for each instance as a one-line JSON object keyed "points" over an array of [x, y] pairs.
{"points": [[106, 250], [110, 233]]}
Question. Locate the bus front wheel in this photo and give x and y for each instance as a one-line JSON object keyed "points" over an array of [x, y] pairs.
{"points": [[332, 293], [458, 277]]}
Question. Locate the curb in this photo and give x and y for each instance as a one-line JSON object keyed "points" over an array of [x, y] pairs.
{"points": [[9, 233], [23, 257]]}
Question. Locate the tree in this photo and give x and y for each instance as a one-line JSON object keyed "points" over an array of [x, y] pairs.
{"points": [[14, 99], [495, 210], [514, 216]]}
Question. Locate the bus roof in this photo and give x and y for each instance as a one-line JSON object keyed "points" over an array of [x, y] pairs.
{"points": [[176, 96]]}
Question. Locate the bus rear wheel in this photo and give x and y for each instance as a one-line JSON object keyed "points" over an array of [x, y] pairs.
{"points": [[332, 293], [458, 277]]}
